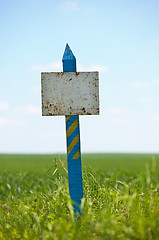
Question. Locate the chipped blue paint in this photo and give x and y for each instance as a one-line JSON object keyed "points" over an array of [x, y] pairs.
{"points": [[73, 142], [69, 60]]}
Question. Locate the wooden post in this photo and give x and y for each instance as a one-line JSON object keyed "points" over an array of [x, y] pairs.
{"points": [[73, 142]]}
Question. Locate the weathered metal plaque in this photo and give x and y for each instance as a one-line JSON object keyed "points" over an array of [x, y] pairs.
{"points": [[70, 93]]}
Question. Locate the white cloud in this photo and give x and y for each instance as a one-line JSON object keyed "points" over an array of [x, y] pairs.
{"points": [[118, 110], [156, 119], [57, 66], [140, 84], [97, 67], [154, 42], [4, 106], [5, 122], [156, 81], [147, 100], [70, 6], [32, 109], [121, 122], [145, 84], [35, 88], [50, 67], [28, 109]]}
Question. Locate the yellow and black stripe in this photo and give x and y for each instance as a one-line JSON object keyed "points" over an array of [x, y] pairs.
{"points": [[73, 139]]}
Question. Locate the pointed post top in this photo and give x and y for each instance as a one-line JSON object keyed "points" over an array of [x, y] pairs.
{"points": [[68, 54], [69, 60]]}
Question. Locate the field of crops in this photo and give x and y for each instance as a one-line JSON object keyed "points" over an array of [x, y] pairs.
{"points": [[121, 197]]}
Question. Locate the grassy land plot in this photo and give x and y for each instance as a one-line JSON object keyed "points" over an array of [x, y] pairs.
{"points": [[97, 162], [121, 199]]}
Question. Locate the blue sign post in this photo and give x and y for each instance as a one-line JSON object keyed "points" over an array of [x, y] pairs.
{"points": [[71, 93], [73, 142]]}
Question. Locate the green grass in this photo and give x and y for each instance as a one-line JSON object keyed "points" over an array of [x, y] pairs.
{"points": [[121, 197], [98, 162]]}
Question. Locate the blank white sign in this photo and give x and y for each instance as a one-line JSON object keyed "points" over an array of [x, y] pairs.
{"points": [[70, 93]]}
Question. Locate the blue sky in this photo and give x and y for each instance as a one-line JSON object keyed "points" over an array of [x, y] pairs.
{"points": [[118, 38]]}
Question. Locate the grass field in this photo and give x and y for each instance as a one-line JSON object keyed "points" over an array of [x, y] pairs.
{"points": [[121, 197]]}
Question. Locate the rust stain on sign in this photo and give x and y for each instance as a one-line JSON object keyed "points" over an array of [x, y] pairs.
{"points": [[70, 93]]}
